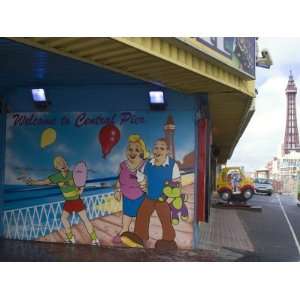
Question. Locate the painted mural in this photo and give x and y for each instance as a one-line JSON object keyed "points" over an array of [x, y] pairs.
{"points": [[113, 179]]}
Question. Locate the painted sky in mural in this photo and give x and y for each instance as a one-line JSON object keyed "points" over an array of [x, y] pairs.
{"points": [[76, 137]]}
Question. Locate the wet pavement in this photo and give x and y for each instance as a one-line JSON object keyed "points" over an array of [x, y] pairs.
{"points": [[22, 251]]}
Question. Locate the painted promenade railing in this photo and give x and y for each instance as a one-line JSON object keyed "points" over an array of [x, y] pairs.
{"points": [[32, 222], [29, 222], [36, 221]]}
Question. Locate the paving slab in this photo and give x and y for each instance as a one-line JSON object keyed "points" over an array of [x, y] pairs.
{"points": [[224, 230]]}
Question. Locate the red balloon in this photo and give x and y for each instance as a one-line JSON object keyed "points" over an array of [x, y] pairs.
{"points": [[108, 137]]}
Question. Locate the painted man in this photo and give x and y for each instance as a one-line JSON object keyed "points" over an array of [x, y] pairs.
{"points": [[156, 172], [71, 193]]}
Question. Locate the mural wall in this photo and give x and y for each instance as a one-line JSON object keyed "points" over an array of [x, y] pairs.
{"points": [[122, 178]]}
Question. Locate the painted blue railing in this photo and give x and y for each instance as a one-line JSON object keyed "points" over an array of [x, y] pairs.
{"points": [[39, 215], [32, 212]]}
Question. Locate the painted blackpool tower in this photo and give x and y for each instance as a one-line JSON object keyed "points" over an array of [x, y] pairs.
{"points": [[169, 135], [291, 136]]}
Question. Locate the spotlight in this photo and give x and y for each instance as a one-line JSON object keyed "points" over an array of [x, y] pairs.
{"points": [[38, 95], [156, 100], [39, 98]]}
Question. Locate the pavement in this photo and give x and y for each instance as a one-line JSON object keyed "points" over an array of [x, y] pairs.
{"points": [[32, 251], [225, 231], [223, 239]]}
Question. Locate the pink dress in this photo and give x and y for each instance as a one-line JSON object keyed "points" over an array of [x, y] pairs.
{"points": [[128, 182], [133, 195]]}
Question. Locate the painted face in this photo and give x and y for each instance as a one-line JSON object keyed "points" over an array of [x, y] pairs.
{"points": [[61, 165], [134, 152], [160, 152]]}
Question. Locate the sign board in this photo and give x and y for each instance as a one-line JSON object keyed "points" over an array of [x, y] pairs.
{"points": [[237, 52]]}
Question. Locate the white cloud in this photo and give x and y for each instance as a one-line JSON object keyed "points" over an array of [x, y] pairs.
{"points": [[15, 168], [284, 51], [180, 154], [110, 165], [12, 162], [62, 149]]}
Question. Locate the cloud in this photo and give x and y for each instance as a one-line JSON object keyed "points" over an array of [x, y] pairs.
{"points": [[182, 152], [109, 166], [62, 149], [284, 51], [285, 56], [13, 167]]}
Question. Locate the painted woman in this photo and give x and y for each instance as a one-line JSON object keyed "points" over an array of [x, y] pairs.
{"points": [[127, 187]]}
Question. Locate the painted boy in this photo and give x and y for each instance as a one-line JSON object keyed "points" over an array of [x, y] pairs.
{"points": [[235, 180], [128, 188], [71, 193], [157, 171]]}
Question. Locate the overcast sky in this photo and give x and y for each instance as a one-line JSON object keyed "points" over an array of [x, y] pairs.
{"points": [[265, 132]]}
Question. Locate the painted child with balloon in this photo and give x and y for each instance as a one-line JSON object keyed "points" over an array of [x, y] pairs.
{"points": [[128, 188]]}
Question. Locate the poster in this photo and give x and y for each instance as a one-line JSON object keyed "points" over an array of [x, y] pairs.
{"points": [[82, 177], [238, 52]]}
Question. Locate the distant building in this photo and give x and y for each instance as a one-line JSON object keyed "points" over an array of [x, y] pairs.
{"points": [[188, 162]]}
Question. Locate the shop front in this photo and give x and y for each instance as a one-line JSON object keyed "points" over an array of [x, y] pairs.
{"points": [[114, 142]]}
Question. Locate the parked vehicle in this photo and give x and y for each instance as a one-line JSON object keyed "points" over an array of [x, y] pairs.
{"points": [[263, 186], [232, 184]]}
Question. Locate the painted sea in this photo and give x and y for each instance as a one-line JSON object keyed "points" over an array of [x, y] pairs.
{"points": [[31, 212]]}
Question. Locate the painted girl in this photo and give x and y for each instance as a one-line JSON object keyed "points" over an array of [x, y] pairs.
{"points": [[127, 187]]}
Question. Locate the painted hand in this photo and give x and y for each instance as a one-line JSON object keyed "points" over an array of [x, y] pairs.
{"points": [[161, 199], [143, 185], [177, 203], [118, 195]]}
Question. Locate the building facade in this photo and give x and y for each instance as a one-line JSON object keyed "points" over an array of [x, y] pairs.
{"points": [[70, 168]]}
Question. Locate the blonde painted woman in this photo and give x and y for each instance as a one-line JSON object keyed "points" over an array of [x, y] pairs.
{"points": [[127, 187]]}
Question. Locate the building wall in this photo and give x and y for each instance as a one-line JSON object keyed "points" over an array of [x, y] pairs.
{"points": [[108, 98], [2, 147]]}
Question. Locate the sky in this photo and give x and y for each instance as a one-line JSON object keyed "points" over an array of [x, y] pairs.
{"points": [[26, 157], [264, 135]]}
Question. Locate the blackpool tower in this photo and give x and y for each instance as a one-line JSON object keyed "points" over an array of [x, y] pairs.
{"points": [[291, 136]]}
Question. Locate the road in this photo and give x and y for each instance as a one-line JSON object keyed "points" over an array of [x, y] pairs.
{"points": [[274, 232]]}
